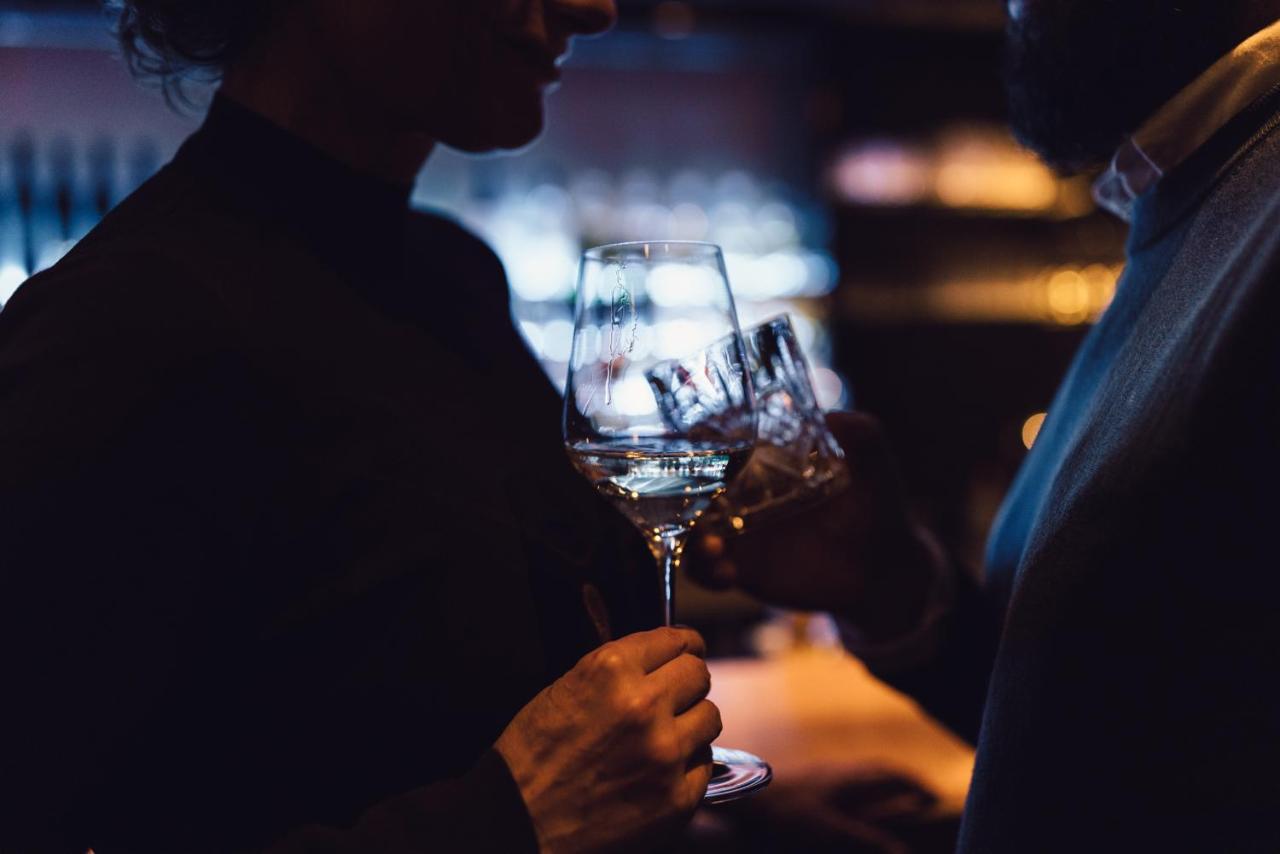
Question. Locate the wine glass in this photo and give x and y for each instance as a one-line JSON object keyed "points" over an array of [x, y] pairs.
{"points": [[665, 307]]}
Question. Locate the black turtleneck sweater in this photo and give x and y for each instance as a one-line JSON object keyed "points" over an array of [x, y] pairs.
{"points": [[287, 534]]}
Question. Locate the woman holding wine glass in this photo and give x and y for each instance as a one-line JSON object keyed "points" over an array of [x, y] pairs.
{"points": [[292, 555]]}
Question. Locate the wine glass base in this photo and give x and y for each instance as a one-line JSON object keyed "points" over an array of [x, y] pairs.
{"points": [[735, 774]]}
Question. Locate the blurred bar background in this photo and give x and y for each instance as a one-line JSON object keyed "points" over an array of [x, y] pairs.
{"points": [[848, 154]]}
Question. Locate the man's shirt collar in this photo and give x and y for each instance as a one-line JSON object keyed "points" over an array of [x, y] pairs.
{"points": [[1187, 122]]}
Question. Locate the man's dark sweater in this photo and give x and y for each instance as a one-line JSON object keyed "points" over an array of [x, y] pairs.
{"points": [[1128, 630], [287, 534]]}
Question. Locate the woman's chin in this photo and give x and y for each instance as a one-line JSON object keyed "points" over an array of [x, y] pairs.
{"points": [[506, 129]]}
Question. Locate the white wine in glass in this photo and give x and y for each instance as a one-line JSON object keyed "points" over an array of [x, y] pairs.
{"points": [[642, 309], [663, 487]]}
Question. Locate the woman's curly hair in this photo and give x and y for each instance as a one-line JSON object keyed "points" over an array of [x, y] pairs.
{"points": [[173, 41]]}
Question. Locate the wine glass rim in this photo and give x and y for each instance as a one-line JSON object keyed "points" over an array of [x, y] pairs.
{"points": [[601, 253]]}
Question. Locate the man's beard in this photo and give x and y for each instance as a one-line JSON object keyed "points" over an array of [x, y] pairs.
{"points": [[1081, 75]]}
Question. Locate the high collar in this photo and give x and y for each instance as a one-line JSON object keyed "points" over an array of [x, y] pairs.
{"points": [[1158, 211], [353, 220], [1190, 120]]}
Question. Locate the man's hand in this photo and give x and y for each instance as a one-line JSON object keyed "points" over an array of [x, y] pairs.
{"points": [[858, 555], [615, 755]]}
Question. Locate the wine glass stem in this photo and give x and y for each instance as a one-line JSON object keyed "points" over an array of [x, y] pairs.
{"points": [[668, 549]]}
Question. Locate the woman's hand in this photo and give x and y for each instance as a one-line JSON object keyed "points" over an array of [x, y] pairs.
{"points": [[616, 754]]}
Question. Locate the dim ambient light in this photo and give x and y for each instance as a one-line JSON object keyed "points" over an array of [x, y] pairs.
{"points": [[52, 252], [829, 389], [1071, 295], [963, 168], [635, 398], [1069, 298], [557, 338], [1031, 429], [681, 285], [987, 171], [11, 276], [884, 173], [774, 241], [769, 238], [676, 339]]}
